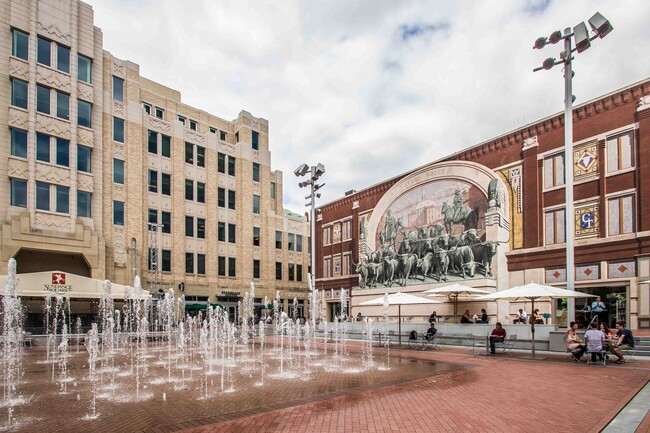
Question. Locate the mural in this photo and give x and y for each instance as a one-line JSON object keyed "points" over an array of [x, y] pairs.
{"points": [[434, 232]]}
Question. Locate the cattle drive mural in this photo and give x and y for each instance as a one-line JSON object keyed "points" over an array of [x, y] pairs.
{"points": [[432, 233]]}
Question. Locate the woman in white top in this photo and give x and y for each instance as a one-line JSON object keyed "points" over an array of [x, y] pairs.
{"points": [[574, 343]]}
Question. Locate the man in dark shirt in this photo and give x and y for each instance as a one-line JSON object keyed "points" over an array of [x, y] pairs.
{"points": [[625, 342], [431, 332], [498, 335]]}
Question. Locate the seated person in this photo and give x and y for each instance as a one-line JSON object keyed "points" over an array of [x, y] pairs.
{"points": [[595, 340], [498, 336], [625, 342], [522, 317], [413, 335], [433, 317], [536, 318], [574, 343], [466, 318], [431, 332], [484, 316]]}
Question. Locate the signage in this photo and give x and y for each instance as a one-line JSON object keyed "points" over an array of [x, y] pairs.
{"points": [[230, 294], [58, 284]]}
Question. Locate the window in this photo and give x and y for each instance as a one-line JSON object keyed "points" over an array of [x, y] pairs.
{"points": [[555, 227], [118, 129], [232, 267], [327, 267], [18, 93], [292, 272], [256, 236], [200, 264], [166, 261], [272, 190], [298, 272], [62, 105], [256, 268], [232, 200], [153, 181], [42, 147], [42, 99], [160, 113], [85, 67], [278, 239], [256, 140], [621, 216], [232, 233], [42, 196], [347, 230], [152, 140], [147, 108], [290, 241], [221, 231], [221, 266], [189, 153], [189, 226], [63, 58], [212, 130], [554, 171], [200, 228], [620, 152], [231, 165], [62, 152], [166, 183], [278, 270], [118, 171], [200, 192], [83, 204], [84, 113], [153, 218], [221, 163], [118, 213], [237, 137], [189, 189], [181, 119], [118, 89], [327, 235], [193, 125], [299, 243], [200, 156], [43, 51], [83, 158], [256, 172], [19, 143], [189, 263], [20, 45], [166, 145], [62, 199], [222, 135], [19, 192], [166, 221], [221, 197], [256, 204]]}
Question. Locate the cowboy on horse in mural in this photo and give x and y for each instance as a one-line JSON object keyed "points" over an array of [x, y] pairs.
{"points": [[459, 213]]}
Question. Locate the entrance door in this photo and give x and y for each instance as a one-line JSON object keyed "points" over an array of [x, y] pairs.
{"points": [[614, 298], [333, 308]]}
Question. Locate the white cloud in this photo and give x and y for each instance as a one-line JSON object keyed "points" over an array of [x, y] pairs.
{"points": [[372, 88]]}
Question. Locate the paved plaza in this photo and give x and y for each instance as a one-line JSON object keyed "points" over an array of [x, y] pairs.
{"points": [[434, 391]]}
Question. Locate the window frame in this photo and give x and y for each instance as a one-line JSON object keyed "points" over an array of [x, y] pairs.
{"points": [[17, 50], [117, 91], [16, 98]]}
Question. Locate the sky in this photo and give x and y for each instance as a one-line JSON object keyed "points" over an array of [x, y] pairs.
{"points": [[372, 88]]}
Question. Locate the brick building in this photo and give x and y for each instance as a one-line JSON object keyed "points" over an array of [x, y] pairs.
{"points": [[107, 172], [511, 189]]}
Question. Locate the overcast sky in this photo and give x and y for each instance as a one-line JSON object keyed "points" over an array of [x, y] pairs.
{"points": [[372, 88]]}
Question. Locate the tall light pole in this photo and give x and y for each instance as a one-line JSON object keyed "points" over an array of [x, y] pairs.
{"points": [[315, 172], [600, 27]]}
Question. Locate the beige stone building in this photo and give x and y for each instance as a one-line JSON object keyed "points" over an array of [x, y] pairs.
{"points": [[100, 164]]}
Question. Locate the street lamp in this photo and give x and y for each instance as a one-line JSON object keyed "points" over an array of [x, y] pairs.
{"points": [[315, 172], [601, 27]]}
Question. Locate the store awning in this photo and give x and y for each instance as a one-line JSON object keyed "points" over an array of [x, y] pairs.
{"points": [[55, 283]]}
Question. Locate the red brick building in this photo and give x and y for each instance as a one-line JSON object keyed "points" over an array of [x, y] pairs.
{"points": [[507, 192]]}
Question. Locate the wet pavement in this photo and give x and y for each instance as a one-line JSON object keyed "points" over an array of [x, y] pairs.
{"points": [[435, 391]]}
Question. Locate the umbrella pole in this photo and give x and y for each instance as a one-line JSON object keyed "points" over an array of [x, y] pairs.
{"points": [[399, 324], [532, 325]]}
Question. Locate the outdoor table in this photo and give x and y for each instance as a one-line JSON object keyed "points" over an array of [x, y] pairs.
{"points": [[477, 341]]}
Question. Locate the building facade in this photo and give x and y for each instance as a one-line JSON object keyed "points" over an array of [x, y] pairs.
{"points": [[496, 212], [110, 175]]}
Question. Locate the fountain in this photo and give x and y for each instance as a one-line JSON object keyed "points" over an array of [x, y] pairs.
{"points": [[12, 330]]}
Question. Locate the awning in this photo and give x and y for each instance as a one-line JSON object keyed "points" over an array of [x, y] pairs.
{"points": [[199, 307], [56, 283]]}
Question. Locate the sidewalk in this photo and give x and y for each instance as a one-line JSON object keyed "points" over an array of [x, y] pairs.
{"points": [[500, 393]]}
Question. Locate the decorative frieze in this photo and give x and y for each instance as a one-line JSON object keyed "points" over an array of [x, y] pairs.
{"points": [[588, 272], [226, 148], [52, 126], [50, 221], [195, 137], [17, 168], [54, 32], [18, 118], [85, 92], [53, 78], [159, 124], [51, 174], [85, 182], [557, 275], [18, 68], [85, 137], [621, 269]]}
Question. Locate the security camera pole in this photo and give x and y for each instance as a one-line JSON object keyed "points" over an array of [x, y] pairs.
{"points": [[315, 171], [601, 27]]}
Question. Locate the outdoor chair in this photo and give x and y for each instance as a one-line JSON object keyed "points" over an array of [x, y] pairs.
{"points": [[508, 344], [430, 343], [597, 352], [630, 354], [415, 338]]}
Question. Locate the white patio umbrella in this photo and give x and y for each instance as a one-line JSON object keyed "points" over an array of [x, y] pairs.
{"points": [[534, 291], [453, 291], [399, 299]]}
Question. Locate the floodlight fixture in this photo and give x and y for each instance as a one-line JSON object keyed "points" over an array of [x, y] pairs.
{"points": [[301, 170], [581, 37], [317, 187], [555, 37], [548, 63], [600, 25], [540, 43], [305, 183], [318, 171]]}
